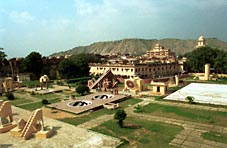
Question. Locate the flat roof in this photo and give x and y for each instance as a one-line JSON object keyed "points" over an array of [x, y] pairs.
{"points": [[203, 93]]}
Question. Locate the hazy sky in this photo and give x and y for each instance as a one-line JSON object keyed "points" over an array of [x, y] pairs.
{"points": [[49, 26]]}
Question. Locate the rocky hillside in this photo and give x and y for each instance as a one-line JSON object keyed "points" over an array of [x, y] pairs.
{"points": [[140, 46]]}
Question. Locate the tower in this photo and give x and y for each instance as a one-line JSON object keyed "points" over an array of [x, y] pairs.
{"points": [[201, 42], [207, 72]]}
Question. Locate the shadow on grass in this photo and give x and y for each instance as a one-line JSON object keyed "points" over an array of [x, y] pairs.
{"points": [[132, 126], [5, 145]]}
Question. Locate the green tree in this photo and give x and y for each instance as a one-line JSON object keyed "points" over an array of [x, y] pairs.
{"points": [[89, 58], [2, 56], [199, 57], [67, 69], [33, 63], [220, 63], [73, 67], [120, 115], [82, 89]]}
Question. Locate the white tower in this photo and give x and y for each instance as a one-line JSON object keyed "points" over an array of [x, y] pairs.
{"points": [[201, 42]]}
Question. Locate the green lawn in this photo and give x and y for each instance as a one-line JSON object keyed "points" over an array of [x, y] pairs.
{"points": [[173, 89], [214, 136], [16, 101], [46, 96], [140, 133], [92, 115], [194, 115], [35, 105]]}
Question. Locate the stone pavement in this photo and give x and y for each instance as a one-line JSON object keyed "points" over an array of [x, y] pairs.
{"points": [[189, 138], [67, 136]]}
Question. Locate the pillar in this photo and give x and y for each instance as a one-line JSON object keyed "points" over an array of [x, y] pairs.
{"points": [[207, 72], [176, 80]]}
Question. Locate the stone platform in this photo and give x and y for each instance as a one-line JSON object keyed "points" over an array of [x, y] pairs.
{"points": [[80, 109], [67, 136]]}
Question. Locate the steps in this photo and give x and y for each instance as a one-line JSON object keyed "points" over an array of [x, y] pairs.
{"points": [[28, 129]]}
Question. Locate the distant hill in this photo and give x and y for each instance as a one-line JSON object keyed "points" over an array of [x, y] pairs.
{"points": [[140, 46]]}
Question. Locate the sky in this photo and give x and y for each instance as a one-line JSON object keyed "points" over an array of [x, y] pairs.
{"points": [[49, 26]]}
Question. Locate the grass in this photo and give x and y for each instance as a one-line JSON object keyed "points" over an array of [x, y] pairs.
{"points": [[140, 133], [85, 118], [46, 96], [173, 89], [158, 98], [97, 113], [194, 115], [215, 136], [17, 101], [36, 105], [218, 81]]}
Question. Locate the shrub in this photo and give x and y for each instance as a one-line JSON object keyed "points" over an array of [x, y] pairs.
{"points": [[32, 93], [120, 115], [10, 96], [139, 109], [81, 89], [190, 99], [45, 101]]}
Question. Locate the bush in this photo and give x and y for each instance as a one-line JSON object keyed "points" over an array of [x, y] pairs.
{"points": [[120, 115], [139, 109], [81, 89], [45, 101], [32, 93], [10, 96], [190, 99]]}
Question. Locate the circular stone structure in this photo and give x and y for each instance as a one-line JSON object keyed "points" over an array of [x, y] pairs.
{"points": [[103, 96], [79, 103]]}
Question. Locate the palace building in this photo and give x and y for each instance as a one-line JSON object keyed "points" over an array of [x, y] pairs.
{"points": [[160, 54], [144, 70], [158, 62]]}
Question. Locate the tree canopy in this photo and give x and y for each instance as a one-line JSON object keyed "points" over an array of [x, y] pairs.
{"points": [[198, 58], [74, 67], [82, 89], [2, 56], [120, 115], [33, 63]]}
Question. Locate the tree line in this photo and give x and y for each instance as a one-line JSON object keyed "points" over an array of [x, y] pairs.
{"points": [[198, 58], [72, 67]]}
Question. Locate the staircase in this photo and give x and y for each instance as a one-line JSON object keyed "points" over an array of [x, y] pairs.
{"points": [[108, 73], [1, 104], [28, 129]]}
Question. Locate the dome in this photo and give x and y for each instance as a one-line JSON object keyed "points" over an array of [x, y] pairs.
{"points": [[201, 38]]}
